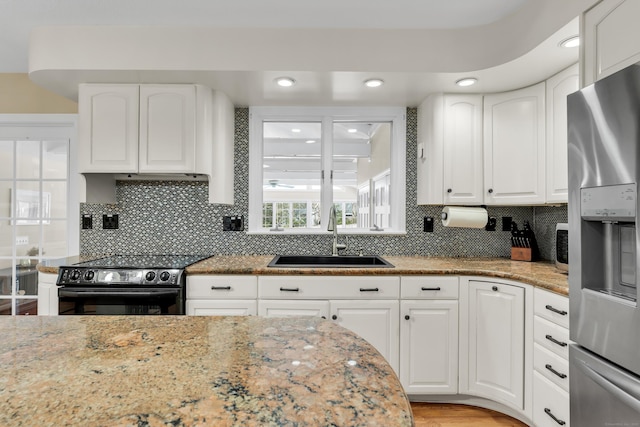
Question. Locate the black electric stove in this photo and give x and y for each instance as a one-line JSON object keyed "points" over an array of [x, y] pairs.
{"points": [[125, 284]]}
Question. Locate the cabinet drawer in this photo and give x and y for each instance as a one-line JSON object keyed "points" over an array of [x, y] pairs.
{"points": [[551, 366], [328, 287], [552, 307], [430, 287], [202, 307], [550, 403], [222, 287], [551, 336]]}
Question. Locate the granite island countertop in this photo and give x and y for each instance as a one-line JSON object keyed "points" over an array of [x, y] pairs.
{"points": [[540, 274], [193, 371]]}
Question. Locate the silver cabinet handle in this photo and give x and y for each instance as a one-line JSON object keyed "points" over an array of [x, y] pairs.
{"points": [[220, 288], [289, 289], [555, 310], [560, 374], [555, 341], [553, 417]]}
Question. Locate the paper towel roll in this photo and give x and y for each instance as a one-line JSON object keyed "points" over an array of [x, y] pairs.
{"points": [[458, 216]]}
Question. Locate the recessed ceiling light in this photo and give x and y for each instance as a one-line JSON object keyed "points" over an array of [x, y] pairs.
{"points": [[467, 81], [285, 81], [310, 141], [573, 41], [373, 82], [352, 130], [296, 130]]}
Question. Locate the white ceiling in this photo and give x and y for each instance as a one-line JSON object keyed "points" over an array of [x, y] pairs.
{"points": [[431, 44]]}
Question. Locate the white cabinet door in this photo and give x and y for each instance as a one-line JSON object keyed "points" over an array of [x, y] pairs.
{"points": [[377, 321], [205, 307], [611, 38], [167, 128], [462, 149], [287, 308], [496, 344], [514, 147], [557, 168], [429, 343], [108, 128], [47, 294]]}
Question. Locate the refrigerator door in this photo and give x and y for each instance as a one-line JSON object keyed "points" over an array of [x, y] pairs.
{"points": [[602, 394]]}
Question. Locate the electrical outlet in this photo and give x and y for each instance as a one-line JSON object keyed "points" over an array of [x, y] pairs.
{"points": [[428, 224], [87, 221], [110, 222], [491, 224], [233, 223], [506, 223]]}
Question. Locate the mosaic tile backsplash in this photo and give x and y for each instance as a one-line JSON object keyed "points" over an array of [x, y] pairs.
{"points": [[174, 217]]}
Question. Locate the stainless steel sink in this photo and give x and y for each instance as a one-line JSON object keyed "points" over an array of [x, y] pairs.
{"points": [[342, 261]]}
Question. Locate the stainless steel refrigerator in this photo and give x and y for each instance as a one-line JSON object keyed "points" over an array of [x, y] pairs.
{"points": [[604, 145]]}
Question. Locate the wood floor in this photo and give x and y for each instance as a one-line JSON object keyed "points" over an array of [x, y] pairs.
{"points": [[450, 415]]}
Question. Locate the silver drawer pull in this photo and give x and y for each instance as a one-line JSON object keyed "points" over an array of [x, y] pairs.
{"points": [[560, 374], [555, 341], [555, 310], [548, 412], [437, 288], [289, 289], [369, 290], [220, 288]]}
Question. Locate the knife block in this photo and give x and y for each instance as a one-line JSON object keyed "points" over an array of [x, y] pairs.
{"points": [[521, 254]]}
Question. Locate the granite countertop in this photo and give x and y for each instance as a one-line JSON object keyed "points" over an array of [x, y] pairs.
{"points": [[539, 274], [193, 371]]}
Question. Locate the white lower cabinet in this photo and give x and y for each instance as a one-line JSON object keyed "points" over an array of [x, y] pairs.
{"points": [[228, 295], [550, 359], [47, 294], [366, 305], [493, 327], [429, 335]]}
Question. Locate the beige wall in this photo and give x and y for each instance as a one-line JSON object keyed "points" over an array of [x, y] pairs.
{"points": [[18, 95]]}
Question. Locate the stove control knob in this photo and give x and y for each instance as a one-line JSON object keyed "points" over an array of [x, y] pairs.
{"points": [[164, 276], [89, 275], [75, 275], [150, 276]]}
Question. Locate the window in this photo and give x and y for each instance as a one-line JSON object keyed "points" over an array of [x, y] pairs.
{"points": [[303, 160], [38, 215]]}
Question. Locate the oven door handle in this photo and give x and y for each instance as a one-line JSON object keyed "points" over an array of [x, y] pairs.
{"points": [[624, 390], [92, 293]]}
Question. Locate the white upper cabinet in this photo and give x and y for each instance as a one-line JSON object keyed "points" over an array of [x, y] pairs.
{"points": [[558, 87], [450, 150], [611, 38], [132, 128], [108, 128], [167, 128], [463, 149], [154, 129], [514, 147]]}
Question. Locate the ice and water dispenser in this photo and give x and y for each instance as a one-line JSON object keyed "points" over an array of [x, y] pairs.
{"points": [[609, 242]]}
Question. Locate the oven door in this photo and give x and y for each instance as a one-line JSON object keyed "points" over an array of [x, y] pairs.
{"points": [[114, 301]]}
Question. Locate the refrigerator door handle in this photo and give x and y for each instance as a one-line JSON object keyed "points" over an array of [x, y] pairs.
{"points": [[621, 388]]}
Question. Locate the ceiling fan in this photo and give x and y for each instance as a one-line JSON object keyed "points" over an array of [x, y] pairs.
{"points": [[275, 183]]}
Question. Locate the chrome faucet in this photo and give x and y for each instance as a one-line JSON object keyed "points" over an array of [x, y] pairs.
{"points": [[333, 227]]}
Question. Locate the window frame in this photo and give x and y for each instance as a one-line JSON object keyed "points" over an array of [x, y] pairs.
{"points": [[327, 116]]}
